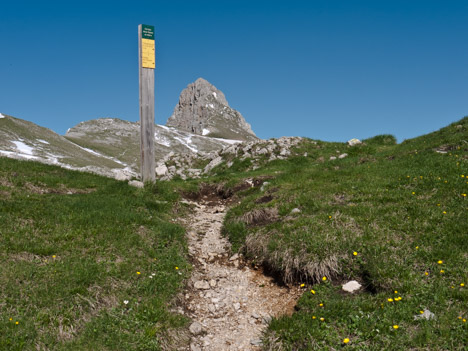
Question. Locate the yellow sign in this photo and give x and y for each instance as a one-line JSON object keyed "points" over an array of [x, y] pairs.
{"points": [[147, 53]]}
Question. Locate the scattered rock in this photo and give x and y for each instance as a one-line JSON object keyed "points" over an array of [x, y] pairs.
{"points": [[343, 156], [264, 185], [351, 286], [201, 285], [256, 342], [161, 170], [217, 161], [196, 328], [120, 174], [428, 315], [332, 158], [136, 183], [234, 257], [295, 210], [354, 141]]}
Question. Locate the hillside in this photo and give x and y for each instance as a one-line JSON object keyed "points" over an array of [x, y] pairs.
{"points": [[314, 215], [106, 146], [87, 262], [391, 217]]}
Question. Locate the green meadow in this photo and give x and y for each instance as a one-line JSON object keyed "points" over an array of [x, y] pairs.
{"points": [[392, 217], [89, 263]]}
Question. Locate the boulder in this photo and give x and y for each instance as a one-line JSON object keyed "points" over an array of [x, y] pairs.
{"points": [[354, 141], [161, 170]]}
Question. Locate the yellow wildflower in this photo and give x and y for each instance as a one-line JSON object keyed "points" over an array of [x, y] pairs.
{"points": [[395, 326], [345, 340], [462, 284], [324, 278], [355, 253], [440, 261], [390, 299], [313, 292], [138, 273], [302, 285]]}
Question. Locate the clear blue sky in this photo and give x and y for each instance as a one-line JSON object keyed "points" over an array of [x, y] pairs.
{"points": [[329, 70]]}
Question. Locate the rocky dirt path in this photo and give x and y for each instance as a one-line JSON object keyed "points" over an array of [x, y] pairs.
{"points": [[230, 303]]}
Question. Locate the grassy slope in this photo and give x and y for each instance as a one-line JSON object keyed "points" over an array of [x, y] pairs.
{"points": [[68, 261], [401, 208]]}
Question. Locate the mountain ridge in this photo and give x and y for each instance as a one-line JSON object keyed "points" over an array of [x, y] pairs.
{"points": [[203, 109]]}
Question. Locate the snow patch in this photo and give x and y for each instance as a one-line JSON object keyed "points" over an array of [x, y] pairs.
{"points": [[17, 154], [163, 127], [209, 105], [214, 94], [161, 140], [42, 141], [23, 148], [1, 116], [205, 131], [229, 141], [186, 141]]}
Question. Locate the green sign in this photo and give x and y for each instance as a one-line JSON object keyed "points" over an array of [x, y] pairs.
{"points": [[147, 32]]}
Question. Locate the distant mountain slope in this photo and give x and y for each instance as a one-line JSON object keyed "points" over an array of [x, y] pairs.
{"points": [[203, 109], [121, 139], [25, 140], [105, 146]]}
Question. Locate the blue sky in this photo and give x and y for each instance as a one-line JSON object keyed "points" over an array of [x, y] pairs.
{"points": [[329, 70]]}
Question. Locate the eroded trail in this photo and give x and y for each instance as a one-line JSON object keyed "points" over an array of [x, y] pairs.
{"points": [[230, 303]]}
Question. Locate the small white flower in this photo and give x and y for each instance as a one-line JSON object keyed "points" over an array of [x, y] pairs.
{"points": [[151, 277], [125, 301], [153, 274]]}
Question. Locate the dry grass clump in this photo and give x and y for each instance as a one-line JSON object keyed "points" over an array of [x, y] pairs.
{"points": [[260, 216], [293, 267]]}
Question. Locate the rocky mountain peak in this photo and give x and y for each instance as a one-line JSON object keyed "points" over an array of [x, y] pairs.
{"points": [[203, 109]]}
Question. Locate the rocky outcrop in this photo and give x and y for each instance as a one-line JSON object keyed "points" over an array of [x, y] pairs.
{"points": [[259, 152], [203, 109]]}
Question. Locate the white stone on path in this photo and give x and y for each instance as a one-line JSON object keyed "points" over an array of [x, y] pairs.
{"points": [[351, 286], [201, 285], [196, 328]]}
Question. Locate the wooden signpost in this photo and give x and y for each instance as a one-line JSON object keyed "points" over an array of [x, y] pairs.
{"points": [[147, 64]]}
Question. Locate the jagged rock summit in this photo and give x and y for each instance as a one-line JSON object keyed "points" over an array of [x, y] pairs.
{"points": [[203, 109]]}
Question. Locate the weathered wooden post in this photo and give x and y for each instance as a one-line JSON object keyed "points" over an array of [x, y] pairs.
{"points": [[147, 64]]}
